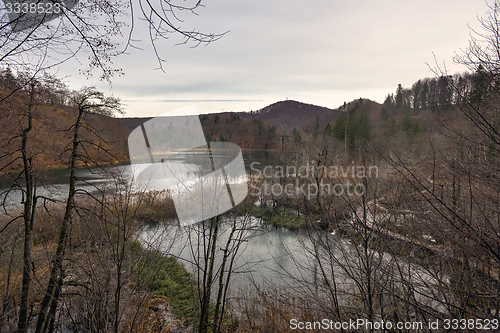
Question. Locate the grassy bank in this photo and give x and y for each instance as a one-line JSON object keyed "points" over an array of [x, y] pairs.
{"points": [[167, 277], [282, 217]]}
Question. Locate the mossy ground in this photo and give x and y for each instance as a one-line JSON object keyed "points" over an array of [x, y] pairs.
{"points": [[167, 277], [280, 217]]}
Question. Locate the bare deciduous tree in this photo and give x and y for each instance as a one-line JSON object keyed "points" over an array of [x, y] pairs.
{"points": [[95, 27], [88, 101]]}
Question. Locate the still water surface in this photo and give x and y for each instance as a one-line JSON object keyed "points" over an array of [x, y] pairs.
{"points": [[264, 259], [269, 257]]}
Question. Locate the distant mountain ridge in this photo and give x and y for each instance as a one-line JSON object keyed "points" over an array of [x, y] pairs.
{"points": [[263, 128], [285, 115], [291, 114]]}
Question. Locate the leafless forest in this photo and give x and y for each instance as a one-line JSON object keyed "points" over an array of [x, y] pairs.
{"points": [[413, 237]]}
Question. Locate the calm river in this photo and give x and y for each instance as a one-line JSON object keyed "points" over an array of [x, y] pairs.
{"points": [[269, 257]]}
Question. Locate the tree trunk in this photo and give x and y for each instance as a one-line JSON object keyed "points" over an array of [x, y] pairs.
{"points": [[28, 223], [217, 322], [205, 303], [56, 263]]}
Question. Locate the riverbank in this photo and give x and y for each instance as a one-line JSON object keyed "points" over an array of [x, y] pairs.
{"points": [[100, 269], [53, 167], [278, 216]]}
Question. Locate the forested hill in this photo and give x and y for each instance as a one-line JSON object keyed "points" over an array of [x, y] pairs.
{"points": [[408, 110], [284, 115], [291, 114], [43, 111], [49, 139], [264, 128]]}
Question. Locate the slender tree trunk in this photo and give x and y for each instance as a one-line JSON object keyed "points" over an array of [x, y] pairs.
{"points": [[53, 306], [217, 322], [28, 223], [56, 263], [120, 256], [6, 299], [205, 304]]}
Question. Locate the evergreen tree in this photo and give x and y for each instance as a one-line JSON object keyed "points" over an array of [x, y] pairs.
{"points": [[399, 98], [364, 126], [406, 122], [424, 95], [412, 126], [433, 95], [417, 88], [8, 78], [328, 129], [479, 86], [340, 128], [352, 134], [297, 138], [444, 91], [389, 102]]}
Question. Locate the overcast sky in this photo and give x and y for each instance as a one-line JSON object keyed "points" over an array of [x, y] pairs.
{"points": [[322, 52]]}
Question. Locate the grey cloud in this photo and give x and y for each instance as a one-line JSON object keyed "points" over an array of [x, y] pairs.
{"points": [[297, 48]]}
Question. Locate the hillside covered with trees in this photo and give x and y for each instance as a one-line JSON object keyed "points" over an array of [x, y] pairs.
{"points": [[380, 213], [53, 112]]}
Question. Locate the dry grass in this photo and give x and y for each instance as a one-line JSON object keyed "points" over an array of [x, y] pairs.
{"points": [[156, 317], [90, 265], [271, 311]]}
